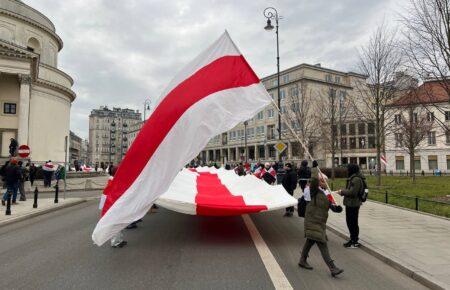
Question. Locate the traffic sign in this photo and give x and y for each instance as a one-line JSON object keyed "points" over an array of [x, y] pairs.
{"points": [[24, 151], [280, 147]]}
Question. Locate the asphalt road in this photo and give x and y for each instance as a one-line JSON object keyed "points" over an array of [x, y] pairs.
{"points": [[175, 251]]}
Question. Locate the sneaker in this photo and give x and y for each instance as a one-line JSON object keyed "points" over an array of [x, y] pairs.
{"points": [[356, 245], [351, 245], [348, 244], [120, 245]]}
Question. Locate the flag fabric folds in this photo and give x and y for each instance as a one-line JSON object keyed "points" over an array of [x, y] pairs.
{"points": [[219, 192], [211, 95]]}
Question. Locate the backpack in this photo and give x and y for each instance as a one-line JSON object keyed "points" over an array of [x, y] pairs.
{"points": [[364, 192]]}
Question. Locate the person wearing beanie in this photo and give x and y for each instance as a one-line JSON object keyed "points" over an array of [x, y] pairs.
{"points": [[316, 217], [289, 183], [352, 203]]}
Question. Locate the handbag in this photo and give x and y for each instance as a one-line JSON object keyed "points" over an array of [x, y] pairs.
{"points": [[301, 207]]}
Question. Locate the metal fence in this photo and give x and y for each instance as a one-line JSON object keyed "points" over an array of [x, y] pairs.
{"points": [[435, 207]]}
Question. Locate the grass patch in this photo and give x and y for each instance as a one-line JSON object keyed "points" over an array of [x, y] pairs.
{"points": [[431, 192]]}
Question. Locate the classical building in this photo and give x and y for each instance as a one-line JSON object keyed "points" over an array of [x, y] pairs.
{"points": [[108, 131], [430, 105], [305, 94], [35, 96], [74, 148], [84, 156]]}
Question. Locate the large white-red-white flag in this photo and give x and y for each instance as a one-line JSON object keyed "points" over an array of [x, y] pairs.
{"points": [[211, 95]]}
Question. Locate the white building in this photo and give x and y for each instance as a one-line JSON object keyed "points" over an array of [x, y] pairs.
{"points": [[35, 96], [434, 150]]}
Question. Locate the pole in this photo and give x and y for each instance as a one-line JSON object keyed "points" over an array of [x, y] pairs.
{"points": [[278, 84], [65, 164], [340, 126], [56, 191], [36, 193]]}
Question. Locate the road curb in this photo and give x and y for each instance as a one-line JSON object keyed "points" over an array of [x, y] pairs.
{"points": [[41, 212], [408, 270]]}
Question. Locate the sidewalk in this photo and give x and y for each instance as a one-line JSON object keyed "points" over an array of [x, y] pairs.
{"points": [[417, 244], [24, 209]]}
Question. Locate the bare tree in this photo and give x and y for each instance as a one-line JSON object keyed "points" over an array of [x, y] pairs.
{"points": [[412, 125], [298, 111], [427, 43], [380, 60]]}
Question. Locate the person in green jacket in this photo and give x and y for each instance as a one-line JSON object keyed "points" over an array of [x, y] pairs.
{"points": [[352, 202], [315, 227]]}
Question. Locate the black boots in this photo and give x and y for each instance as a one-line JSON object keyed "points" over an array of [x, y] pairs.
{"points": [[333, 269], [304, 264]]}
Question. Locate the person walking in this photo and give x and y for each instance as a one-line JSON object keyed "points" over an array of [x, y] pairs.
{"points": [[60, 173], [13, 147], [12, 178], [289, 183], [23, 178], [316, 217], [304, 174], [32, 174], [352, 202]]}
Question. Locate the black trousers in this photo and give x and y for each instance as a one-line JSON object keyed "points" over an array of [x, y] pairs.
{"points": [[303, 184], [323, 247], [351, 216], [290, 209]]}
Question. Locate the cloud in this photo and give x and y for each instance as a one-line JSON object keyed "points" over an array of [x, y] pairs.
{"points": [[120, 52]]}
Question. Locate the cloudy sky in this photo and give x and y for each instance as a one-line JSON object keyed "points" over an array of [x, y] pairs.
{"points": [[121, 51]]}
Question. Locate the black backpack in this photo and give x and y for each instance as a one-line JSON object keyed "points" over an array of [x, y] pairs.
{"points": [[364, 192]]}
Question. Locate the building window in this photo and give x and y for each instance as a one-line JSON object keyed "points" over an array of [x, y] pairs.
{"points": [[399, 163], [295, 107], [448, 162], [362, 142], [283, 126], [398, 119], [285, 78], [352, 129], [371, 142], [343, 143], [338, 79], [260, 115], [343, 129], [9, 108], [293, 92], [260, 130], [431, 138], [283, 110], [282, 95], [295, 124], [430, 117], [362, 129], [270, 113], [352, 143], [371, 128], [275, 82], [328, 78], [447, 115], [417, 165], [432, 162], [447, 137], [270, 132]]}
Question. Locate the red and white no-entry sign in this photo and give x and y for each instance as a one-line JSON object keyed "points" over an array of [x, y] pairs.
{"points": [[23, 151]]}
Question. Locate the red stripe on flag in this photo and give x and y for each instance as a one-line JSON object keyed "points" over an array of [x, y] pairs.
{"points": [[224, 73], [214, 199]]}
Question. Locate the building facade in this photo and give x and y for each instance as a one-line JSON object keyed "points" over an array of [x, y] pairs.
{"points": [[35, 96], [108, 134], [305, 93], [433, 152], [74, 148]]}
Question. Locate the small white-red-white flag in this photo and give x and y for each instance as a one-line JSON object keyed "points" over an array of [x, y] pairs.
{"points": [[211, 95], [383, 160]]}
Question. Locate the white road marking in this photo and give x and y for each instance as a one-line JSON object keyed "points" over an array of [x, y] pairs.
{"points": [[277, 276]]}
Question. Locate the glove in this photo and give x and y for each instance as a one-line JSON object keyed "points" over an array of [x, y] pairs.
{"points": [[336, 208]]}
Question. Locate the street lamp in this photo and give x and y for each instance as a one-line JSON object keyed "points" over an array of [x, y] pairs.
{"points": [[272, 13], [147, 104]]}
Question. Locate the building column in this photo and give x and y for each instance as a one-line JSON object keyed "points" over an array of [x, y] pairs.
{"points": [[24, 109], [237, 155], [266, 152], [207, 156], [256, 153], [228, 155]]}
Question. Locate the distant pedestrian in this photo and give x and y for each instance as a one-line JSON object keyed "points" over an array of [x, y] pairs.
{"points": [[47, 170], [240, 169], [304, 174], [111, 169], [60, 173], [32, 175], [289, 183], [23, 178], [316, 217], [12, 178], [13, 147], [352, 202]]}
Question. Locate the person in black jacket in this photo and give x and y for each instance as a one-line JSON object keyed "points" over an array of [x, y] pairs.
{"points": [[304, 174], [290, 184], [12, 177]]}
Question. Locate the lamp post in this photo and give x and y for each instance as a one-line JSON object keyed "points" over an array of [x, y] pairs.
{"points": [[147, 104], [272, 13]]}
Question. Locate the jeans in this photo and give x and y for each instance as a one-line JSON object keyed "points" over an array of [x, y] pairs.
{"points": [[11, 189], [323, 247], [351, 216]]}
